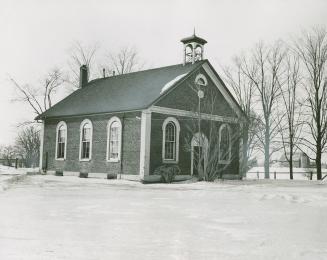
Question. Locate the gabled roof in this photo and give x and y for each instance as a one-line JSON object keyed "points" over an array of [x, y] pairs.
{"points": [[132, 92], [127, 92]]}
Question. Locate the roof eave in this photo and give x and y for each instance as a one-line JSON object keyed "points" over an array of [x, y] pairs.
{"points": [[93, 114], [193, 39]]}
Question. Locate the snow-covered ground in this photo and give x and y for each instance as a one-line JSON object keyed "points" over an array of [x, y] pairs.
{"points": [[10, 174], [49, 217], [6, 170]]}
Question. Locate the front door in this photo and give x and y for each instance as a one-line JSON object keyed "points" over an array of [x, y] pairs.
{"points": [[198, 161], [199, 150]]}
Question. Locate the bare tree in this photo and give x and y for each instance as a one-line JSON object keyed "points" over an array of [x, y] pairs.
{"points": [[205, 132], [28, 142], [39, 98], [126, 60], [81, 55], [312, 49], [243, 90], [254, 123], [290, 128], [264, 70], [8, 152]]}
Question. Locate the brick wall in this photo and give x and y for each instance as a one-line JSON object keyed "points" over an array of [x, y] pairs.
{"points": [[130, 140], [187, 129]]}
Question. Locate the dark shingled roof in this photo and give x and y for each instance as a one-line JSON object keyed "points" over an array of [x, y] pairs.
{"points": [[127, 92]]}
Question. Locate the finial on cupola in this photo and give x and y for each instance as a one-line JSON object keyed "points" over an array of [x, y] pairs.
{"points": [[193, 48]]}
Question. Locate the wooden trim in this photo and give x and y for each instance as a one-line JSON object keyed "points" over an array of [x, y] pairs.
{"points": [[145, 143], [80, 140], [61, 123], [110, 122], [178, 112], [241, 159], [178, 129], [41, 146], [91, 114]]}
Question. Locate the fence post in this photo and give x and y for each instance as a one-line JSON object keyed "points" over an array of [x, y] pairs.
{"points": [[275, 175], [258, 175], [311, 176]]}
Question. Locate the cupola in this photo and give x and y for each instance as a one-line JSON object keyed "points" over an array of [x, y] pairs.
{"points": [[193, 48]]}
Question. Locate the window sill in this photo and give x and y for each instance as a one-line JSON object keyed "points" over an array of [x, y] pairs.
{"points": [[85, 160], [113, 160], [60, 159], [169, 161]]}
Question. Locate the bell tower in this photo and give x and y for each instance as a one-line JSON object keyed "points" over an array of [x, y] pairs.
{"points": [[193, 48]]}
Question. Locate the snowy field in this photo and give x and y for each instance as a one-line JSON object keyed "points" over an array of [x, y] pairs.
{"points": [[49, 217], [283, 173], [8, 171]]}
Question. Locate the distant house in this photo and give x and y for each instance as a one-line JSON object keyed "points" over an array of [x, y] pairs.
{"points": [[133, 123], [300, 160]]}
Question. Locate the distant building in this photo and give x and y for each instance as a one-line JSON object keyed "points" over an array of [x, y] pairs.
{"points": [[252, 163], [300, 160]]}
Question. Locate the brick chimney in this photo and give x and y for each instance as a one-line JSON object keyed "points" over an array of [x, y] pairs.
{"points": [[83, 76]]}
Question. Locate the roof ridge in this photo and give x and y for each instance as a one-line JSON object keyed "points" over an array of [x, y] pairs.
{"points": [[140, 71], [122, 86]]}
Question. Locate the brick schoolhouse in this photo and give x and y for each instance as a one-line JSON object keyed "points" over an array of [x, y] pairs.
{"points": [[131, 124]]}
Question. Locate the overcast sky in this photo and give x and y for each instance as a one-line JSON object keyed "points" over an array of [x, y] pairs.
{"points": [[36, 35]]}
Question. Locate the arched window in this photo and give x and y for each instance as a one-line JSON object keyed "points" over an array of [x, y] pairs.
{"points": [[114, 139], [198, 53], [86, 132], [61, 141], [188, 53], [224, 144], [170, 140], [201, 80]]}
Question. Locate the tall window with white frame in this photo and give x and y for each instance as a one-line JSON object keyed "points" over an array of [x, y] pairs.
{"points": [[114, 139], [224, 144], [61, 141], [86, 141], [170, 142]]}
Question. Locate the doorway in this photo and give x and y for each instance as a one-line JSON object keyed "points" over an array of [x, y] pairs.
{"points": [[199, 147]]}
